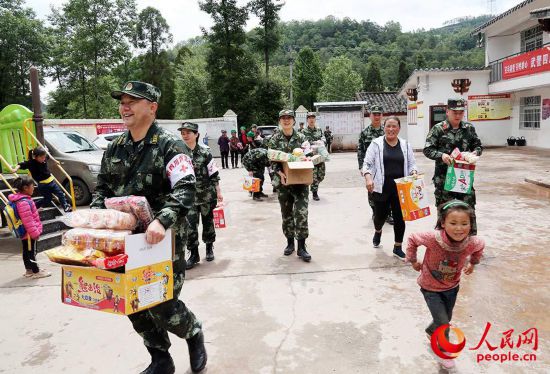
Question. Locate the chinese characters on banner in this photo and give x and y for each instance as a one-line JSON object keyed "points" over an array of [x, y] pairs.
{"points": [[108, 128], [527, 63], [489, 107]]}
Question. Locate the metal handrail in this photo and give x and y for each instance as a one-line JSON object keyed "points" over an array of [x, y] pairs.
{"points": [[57, 163], [515, 54]]}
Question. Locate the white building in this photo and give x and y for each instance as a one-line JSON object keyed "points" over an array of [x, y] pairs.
{"points": [[510, 97]]}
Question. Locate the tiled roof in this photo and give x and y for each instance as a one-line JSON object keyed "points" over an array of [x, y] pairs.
{"points": [[502, 15], [390, 101]]}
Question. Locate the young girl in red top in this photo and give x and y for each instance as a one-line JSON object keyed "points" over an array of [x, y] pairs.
{"points": [[449, 251], [31, 221]]}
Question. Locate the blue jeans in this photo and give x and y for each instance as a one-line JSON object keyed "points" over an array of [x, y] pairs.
{"points": [[441, 305], [47, 190]]}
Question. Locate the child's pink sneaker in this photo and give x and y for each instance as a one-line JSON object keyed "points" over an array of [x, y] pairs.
{"points": [[447, 364], [41, 274], [28, 273]]}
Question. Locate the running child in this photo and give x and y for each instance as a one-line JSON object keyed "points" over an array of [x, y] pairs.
{"points": [[450, 249]]}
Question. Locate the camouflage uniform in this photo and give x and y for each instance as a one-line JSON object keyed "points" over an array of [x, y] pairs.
{"points": [[206, 198], [146, 168], [443, 139], [293, 199], [256, 161], [367, 136], [319, 171]]}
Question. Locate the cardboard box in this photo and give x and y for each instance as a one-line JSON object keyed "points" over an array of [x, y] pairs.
{"points": [[299, 172], [147, 279], [251, 184], [413, 197]]}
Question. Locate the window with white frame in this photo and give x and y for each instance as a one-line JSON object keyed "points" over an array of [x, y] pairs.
{"points": [[531, 39], [529, 112]]}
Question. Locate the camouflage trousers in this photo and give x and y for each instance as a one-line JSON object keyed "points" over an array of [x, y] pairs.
{"points": [[442, 196], [173, 315], [294, 200], [318, 176], [205, 213]]}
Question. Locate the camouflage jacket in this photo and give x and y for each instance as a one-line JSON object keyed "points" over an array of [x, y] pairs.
{"points": [[328, 136], [443, 139], [313, 134], [279, 142], [256, 160], [158, 167], [207, 175], [367, 136]]}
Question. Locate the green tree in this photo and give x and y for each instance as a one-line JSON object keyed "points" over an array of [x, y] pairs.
{"points": [[420, 61], [402, 73], [308, 78], [341, 82], [153, 35], [268, 38], [191, 84], [23, 43], [231, 68], [268, 102], [373, 81], [91, 38]]}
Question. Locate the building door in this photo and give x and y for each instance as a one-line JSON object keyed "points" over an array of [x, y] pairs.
{"points": [[437, 114]]}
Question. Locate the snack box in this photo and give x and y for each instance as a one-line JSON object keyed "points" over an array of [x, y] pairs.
{"points": [[298, 172], [147, 279]]}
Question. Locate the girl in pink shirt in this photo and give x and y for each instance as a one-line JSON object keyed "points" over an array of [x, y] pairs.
{"points": [[28, 214], [449, 251]]}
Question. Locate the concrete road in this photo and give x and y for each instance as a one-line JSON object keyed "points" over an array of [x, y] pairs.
{"points": [[353, 309]]}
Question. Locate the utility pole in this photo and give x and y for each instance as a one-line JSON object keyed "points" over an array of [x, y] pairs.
{"points": [[291, 94], [37, 105]]}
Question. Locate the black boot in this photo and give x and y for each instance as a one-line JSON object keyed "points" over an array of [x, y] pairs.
{"points": [[209, 252], [197, 352], [193, 259], [315, 196], [289, 246], [161, 362], [302, 252]]}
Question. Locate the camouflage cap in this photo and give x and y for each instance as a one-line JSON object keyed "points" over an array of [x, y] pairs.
{"points": [[233, 131], [286, 112], [376, 109], [250, 134], [311, 114], [138, 89], [456, 104], [189, 126]]}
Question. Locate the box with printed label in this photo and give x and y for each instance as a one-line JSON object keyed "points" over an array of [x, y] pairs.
{"points": [[147, 279], [413, 197]]}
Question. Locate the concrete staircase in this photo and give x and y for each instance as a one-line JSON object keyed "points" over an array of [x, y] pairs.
{"points": [[53, 226]]}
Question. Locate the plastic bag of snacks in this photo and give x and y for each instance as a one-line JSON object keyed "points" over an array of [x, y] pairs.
{"points": [[109, 241], [112, 262], [68, 255], [275, 155], [101, 219], [137, 205]]}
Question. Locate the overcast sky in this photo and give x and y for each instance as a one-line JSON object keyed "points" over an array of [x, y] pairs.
{"points": [[185, 18]]}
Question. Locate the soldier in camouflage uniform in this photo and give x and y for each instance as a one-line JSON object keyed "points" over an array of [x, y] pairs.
{"points": [[293, 199], [371, 132], [255, 163], [312, 134], [442, 139], [149, 161], [206, 198]]}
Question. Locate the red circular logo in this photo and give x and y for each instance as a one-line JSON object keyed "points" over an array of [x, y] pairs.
{"points": [[443, 347]]}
